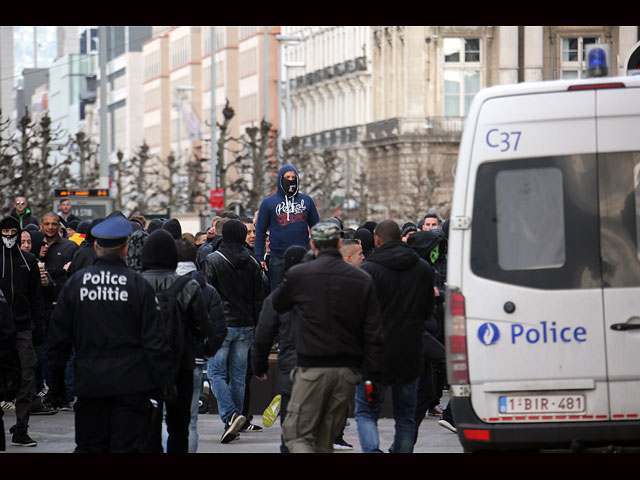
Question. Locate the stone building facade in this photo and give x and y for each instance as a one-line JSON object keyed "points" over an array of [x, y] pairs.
{"points": [[423, 81]]}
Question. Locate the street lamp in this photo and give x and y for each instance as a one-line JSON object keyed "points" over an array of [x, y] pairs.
{"points": [[283, 40], [287, 66]]}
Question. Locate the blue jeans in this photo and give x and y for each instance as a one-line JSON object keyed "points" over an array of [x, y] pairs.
{"points": [[193, 425], [276, 271], [404, 397], [235, 351]]}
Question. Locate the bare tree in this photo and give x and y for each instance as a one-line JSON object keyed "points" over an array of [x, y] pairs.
{"points": [[421, 192], [140, 192], [259, 165], [223, 168], [118, 172], [82, 151], [34, 172], [197, 197], [8, 177], [323, 179]]}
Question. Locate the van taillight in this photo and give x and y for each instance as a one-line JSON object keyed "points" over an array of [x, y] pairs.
{"points": [[458, 365]]}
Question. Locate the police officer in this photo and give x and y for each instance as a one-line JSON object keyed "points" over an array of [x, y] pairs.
{"points": [[110, 316]]}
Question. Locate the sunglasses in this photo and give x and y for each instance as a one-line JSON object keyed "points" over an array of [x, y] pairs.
{"points": [[20, 203]]}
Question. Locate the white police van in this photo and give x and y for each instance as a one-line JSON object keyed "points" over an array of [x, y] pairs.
{"points": [[543, 306]]}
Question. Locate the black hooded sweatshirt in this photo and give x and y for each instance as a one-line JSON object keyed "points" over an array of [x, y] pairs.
{"points": [[20, 283], [404, 285]]}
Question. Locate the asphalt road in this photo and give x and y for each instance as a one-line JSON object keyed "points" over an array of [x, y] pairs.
{"points": [[55, 434]]}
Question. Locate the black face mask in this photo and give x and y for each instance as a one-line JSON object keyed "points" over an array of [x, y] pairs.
{"points": [[290, 186]]}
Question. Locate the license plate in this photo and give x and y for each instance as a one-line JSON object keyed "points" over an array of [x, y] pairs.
{"points": [[540, 404]]}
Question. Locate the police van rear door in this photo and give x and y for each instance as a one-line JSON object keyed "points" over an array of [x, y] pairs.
{"points": [[533, 296], [618, 125]]}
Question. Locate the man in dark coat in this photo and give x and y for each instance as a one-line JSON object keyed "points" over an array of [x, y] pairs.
{"points": [[20, 283], [187, 256], [337, 335], [159, 263], [9, 363], [404, 286]]}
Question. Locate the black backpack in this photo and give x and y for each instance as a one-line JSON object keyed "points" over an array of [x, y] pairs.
{"points": [[174, 322]]}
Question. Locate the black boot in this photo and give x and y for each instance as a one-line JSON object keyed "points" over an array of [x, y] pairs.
{"points": [[21, 438]]}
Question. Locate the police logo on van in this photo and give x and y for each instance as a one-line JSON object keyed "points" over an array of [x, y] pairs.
{"points": [[488, 333]]}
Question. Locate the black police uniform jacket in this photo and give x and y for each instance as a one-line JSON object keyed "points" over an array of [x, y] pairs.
{"points": [[110, 315], [404, 285], [338, 314]]}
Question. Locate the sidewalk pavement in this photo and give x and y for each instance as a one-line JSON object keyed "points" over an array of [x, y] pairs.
{"points": [[55, 434]]}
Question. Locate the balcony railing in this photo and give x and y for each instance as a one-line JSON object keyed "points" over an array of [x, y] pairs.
{"points": [[438, 128], [327, 73]]}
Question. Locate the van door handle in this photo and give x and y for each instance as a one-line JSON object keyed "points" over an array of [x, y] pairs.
{"points": [[625, 326]]}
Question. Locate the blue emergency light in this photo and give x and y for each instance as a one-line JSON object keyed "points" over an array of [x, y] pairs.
{"points": [[597, 62]]}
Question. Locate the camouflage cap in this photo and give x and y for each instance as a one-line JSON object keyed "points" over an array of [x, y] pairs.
{"points": [[325, 231]]}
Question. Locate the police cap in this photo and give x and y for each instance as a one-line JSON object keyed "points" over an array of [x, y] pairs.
{"points": [[113, 231]]}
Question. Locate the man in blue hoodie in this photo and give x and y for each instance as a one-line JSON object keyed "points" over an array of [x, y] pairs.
{"points": [[286, 216]]}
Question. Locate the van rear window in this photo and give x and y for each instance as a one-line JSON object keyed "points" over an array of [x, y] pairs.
{"points": [[530, 218], [535, 222]]}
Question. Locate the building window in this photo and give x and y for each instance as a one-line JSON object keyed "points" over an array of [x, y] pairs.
{"points": [[462, 64], [248, 108], [152, 65], [573, 56], [248, 63], [180, 52]]}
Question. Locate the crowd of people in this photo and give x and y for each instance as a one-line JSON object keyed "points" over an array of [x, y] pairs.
{"points": [[120, 320]]}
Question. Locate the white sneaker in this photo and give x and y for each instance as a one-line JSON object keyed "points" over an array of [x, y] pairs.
{"points": [[447, 425]]}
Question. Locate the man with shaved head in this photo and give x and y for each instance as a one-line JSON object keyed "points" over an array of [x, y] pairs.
{"points": [[404, 287]]}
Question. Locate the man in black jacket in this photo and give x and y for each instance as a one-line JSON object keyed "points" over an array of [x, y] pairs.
{"points": [[237, 277], [57, 261], [159, 263], [109, 314], [20, 283], [337, 334], [187, 255], [404, 285], [9, 363]]}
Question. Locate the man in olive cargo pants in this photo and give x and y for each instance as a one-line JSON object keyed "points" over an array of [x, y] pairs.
{"points": [[337, 334]]}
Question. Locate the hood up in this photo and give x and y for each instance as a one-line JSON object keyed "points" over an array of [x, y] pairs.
{"points": [[423, 242], [288, 196], [14, 249]]}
